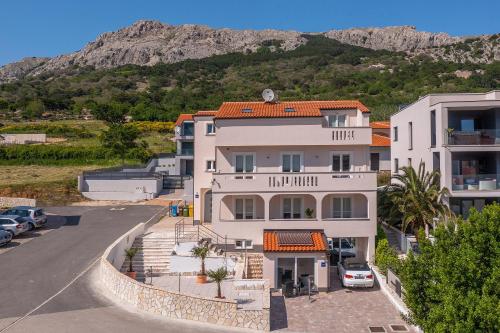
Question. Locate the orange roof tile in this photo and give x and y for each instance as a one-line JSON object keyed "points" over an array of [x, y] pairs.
{"points": [[233, 110], [380, 141], [183, 117], [207, 113], [380, 124], [272, 244]]}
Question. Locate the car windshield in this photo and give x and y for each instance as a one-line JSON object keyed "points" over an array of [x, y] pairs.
{"points": [[22, 213], [356, 266]]}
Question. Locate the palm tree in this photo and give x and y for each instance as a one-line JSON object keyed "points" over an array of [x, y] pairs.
{"points": [[130, 254], [218, 276], [202, 253], [418, 197]]}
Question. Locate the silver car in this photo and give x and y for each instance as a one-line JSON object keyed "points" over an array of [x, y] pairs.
{"points": [[5, 236], [35, 216], [14, 224]]}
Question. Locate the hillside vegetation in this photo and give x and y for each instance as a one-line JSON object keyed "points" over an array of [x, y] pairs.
{"points": [[321, 69]]}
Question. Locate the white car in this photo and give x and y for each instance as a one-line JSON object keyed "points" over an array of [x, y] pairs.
{"points": [[356, 274]]}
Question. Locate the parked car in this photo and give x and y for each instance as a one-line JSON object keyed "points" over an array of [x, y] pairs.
{"points": [[5, 236], [347, 248], [14, 224], [355, 274], [35, 216]]}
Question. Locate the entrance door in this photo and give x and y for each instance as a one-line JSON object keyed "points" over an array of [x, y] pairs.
{"points": [[375, 161], [189, 167], [207, 210]]}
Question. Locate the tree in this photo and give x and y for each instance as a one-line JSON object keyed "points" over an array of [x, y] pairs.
{"points": [[202, 253], [112, 113], [34, 109], [120, 139], [218, 276], [418, 197], [452, 285], [130, 254]]}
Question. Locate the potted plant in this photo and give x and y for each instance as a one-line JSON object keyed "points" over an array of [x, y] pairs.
{"points": [[309, 213], [202, 253], [130, 254], [218, 276]]}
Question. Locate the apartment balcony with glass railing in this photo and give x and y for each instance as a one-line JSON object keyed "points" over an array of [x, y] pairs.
{"points": [[469, 138], [479, 182]]}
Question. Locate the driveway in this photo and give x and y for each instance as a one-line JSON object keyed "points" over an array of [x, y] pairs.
{"points": [[340, 310]]}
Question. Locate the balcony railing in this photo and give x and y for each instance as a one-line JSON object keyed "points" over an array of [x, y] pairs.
{"points": [[187, 152], [481, 182], [286, 182], [478, 137]]}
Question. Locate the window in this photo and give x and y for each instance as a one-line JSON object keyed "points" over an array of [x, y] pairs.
{"points": [[244, 209], [375, 161], [291, 162], [246, 110], [210, 166], [410, 135], [292, 208], [341, 208], [188, 128], [409, 161], [395, 134], [337, 120], [341, 162], [396, 165], [210, 128], [433, 128], [289, 110], [244, 163], [241, 244]]}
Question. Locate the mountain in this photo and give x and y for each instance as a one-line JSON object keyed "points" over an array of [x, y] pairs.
{"points": [[147, 43]]}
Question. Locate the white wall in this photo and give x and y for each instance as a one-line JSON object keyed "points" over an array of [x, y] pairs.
{"points": [[204, 149]]}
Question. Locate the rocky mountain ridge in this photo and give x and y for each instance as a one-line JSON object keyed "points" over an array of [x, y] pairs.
{"points": [[147, 43]]}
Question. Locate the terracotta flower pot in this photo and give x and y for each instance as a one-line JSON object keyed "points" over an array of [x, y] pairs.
{"points": [[132, 275], [201, 278]]}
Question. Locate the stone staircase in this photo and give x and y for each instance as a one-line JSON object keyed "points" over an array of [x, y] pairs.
{"points": [[154, 253], [254, 266], [392, 239]]}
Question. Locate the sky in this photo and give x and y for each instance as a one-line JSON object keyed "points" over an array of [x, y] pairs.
{"points": [[52, 27]]}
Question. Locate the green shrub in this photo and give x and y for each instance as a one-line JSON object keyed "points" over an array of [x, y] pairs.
{"points": [[386, 257]]}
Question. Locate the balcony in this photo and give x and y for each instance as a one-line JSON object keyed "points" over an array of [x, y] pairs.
{"points": [[479, 182], [293, 182], [470, 138], [286, 135]]}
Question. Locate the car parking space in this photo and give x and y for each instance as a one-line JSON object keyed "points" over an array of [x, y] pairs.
{"points": [[53, 222], [339, 310]]}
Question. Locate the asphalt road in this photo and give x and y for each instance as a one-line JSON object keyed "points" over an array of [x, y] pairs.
{"points": [[46, 284]]}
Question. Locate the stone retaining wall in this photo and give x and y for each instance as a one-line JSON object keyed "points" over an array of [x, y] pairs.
{"points": [[180, 306], [11, 202]]}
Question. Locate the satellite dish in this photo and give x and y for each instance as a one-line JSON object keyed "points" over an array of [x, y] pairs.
{"points": [[268, 95]]}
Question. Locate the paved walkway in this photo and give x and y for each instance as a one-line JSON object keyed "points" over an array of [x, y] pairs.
{"points": [[340, 310]]}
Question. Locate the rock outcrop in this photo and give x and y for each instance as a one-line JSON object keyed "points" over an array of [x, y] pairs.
{"points": [[147, 43]]}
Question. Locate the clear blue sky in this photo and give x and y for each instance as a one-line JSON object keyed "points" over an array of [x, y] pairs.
{"points": [[52, 27]]}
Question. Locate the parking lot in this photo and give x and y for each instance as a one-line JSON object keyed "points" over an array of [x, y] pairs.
{"points": [[53, 222], [340, 310]]}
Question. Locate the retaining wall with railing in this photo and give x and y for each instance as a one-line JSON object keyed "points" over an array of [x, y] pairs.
{"points": [[176, 305]]}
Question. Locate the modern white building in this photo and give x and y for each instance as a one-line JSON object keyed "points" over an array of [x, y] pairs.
{"points": [[286, 180], [458, 134]]}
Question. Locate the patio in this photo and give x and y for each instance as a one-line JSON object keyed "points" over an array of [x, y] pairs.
{"points": [[341, 310]]}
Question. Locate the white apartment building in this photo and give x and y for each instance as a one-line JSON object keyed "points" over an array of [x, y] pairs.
{"points": [[458, 134], [286, 180]]}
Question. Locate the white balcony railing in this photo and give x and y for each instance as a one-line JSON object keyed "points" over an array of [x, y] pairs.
{"points": [[286, 182]]}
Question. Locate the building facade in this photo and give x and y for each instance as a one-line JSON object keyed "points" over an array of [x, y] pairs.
{"points": [[380, 149], [457, 134], [184, 142], [289, 181]]}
